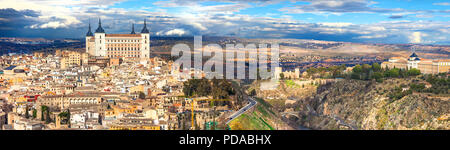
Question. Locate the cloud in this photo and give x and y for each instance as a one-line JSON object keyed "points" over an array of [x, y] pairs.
{"points": [[416, 37], [442, 4], [54, 20], [375, 36], [13, 21], [185, 3], [173, 32], [52, 24], [85, 3], [336, 24], [396, 17], [338, 6]]}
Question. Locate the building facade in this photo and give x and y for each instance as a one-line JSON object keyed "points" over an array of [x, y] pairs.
{"points": [[287, 74], [65, 101], [72, 58], [426, 66], [131, 45]]}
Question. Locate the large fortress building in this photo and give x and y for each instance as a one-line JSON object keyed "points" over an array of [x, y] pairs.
{"points": [[425, 66], [133, 45]]}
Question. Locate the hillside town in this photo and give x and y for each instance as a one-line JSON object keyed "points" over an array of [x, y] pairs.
{"points": [[72, 90]]}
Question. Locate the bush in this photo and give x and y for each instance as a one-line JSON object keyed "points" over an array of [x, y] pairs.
{"points": [[413, 72]]}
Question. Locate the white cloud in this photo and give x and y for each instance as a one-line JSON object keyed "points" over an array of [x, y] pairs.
{"points": [[336, 24], [442, 4], [173, 32], [375, 36], [416, 37], [223, 19]]}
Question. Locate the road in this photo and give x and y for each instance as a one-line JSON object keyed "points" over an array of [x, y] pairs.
{"points": [[236, 114]]}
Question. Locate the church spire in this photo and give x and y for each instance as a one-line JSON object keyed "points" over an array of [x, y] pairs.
{"points": [[99, 29], [132, 29], [89, 33], [145, 30]]}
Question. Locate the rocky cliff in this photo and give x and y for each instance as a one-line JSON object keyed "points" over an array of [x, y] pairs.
{"points": [[352, 104]]}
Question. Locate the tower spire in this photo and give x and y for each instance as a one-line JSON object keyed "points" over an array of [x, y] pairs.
{"points": [[89, 33], [99, 29], [145, 30], [132, 29]]}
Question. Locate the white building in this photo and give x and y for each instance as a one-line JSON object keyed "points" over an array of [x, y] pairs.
{"points": [[118, 45], [84, 120]]}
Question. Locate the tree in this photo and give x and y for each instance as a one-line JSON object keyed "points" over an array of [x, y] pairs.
{"points": [[204, 87], [252, 92], [281, 76], [47, 118], [141, 95], [413, 72], [65, 117], [376, 67], [34, 113], [395, 72], [357, 69], [402, 73], [378, 76], [43, 109], [355, 75], [366, 68], [27, 115]]}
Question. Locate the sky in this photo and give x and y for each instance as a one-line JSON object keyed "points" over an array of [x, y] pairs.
{"points": [[365, 21]]}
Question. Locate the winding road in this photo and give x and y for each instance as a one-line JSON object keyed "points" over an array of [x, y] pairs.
{"points": [[236, 114]]}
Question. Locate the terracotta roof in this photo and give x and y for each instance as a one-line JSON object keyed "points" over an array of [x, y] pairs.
{"points": [[425, 62], [423, 59], [401, 61], [442, 60], [123, 35]]}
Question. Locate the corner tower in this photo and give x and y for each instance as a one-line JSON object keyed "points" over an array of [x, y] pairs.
{"points": [[100, 46], [89, 39], [145, 42]]}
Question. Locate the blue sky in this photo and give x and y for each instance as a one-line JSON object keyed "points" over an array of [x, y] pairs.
{"points": [[368, 21]]}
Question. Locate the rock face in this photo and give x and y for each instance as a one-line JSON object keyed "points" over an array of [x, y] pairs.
{"points": [[352, 104]]}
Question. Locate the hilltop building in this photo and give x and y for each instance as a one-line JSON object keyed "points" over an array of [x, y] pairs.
{"points": [[118, 45], [287, 74], [425, 66]]}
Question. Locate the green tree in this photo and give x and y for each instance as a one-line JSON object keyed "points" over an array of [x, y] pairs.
{"points": [[395, 72], [47, 117], [366, 68], [27, 115], [204, 87], [34, 113], [357, 69], [355, 75], [378, 76], [413, 72], [376, 67], [43, 109]]}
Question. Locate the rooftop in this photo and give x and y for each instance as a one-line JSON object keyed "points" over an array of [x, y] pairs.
{"points": [[123, 35], [10, 67]]}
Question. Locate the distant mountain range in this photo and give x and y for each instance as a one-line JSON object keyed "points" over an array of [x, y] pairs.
{"points": [[163, 45]]}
